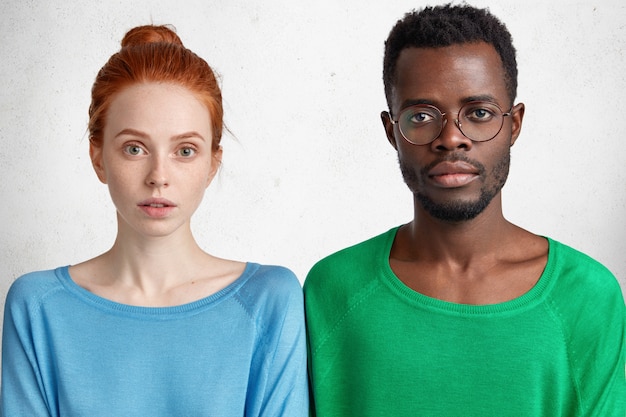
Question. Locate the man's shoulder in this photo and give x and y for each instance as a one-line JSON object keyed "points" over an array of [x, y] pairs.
{"points": [[572, 263], [351, 267], [341, 281], [361, 255], [577, 275]]}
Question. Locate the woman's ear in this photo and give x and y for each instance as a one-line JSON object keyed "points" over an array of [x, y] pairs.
{"points": [[95, 153], [216, 162]]}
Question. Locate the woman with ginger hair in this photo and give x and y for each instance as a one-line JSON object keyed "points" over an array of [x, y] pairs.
{"points": [[155, 326]]}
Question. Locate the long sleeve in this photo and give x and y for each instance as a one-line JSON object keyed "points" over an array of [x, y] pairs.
{"points": [[598, 352], [22, 392], [238, 352], [279, 371]]}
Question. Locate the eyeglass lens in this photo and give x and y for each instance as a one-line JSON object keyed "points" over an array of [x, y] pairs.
{"points": [[478, 121]]}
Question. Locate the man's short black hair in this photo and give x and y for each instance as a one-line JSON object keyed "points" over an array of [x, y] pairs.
{"points": [[446, 25]]}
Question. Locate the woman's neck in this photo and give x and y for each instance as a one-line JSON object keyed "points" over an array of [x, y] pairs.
{"points": [[155, 271]]}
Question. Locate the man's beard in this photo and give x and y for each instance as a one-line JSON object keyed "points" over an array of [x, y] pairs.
{"points": [[454, 211]]}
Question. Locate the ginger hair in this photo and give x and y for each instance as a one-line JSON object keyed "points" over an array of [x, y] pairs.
{"points": [[154, 54]]}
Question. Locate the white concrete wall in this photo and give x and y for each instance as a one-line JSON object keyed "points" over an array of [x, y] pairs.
{"points": [[310, 171]]}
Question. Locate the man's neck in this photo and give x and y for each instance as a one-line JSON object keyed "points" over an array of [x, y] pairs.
{"points": [[437, 240], [485, 260]]}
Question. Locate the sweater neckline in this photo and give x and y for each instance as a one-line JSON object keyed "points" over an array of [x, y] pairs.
{"points": [[525, 301], [201, 304]]}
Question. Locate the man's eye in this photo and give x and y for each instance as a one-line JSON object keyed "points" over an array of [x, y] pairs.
{"points": [[421, 117], [479, 115]]}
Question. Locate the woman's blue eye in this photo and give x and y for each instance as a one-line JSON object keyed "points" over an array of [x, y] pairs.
{"points": [[187, 152], [134, 150]]}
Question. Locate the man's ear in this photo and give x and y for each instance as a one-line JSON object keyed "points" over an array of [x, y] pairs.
{"points": [[216, 162], [95, 153], [389, 131], [517, 116]]}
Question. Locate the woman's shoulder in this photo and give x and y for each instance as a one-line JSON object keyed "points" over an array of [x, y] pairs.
{"points": [[273, 278], [33, 287], [271, 274], [269, 286]]}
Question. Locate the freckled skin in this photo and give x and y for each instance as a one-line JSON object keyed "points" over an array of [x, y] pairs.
{"points": [[144, 155], [157, 159]]}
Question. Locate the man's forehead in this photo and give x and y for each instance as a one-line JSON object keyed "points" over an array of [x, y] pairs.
{"points": [[449, 70]]}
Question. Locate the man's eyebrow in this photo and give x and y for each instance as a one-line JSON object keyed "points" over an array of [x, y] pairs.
{"points": [[481, 97], [414, 102]]}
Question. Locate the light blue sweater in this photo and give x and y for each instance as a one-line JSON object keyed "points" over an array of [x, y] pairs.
{"points": [[239, 352]]}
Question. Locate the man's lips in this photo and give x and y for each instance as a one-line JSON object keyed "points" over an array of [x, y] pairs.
{"points": [[451, 174], [452, 167]]}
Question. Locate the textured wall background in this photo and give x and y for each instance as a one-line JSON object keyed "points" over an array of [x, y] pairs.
{"points": [[310, 170]]}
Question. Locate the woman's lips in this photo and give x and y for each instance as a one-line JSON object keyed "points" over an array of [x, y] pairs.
{"points": [[157, 207]]}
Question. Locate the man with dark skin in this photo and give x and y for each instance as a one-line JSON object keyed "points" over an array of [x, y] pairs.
{"points": [[460, 312], [442, 253]]}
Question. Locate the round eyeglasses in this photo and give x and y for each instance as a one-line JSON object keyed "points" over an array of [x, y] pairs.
{"points": [[479, 121]]}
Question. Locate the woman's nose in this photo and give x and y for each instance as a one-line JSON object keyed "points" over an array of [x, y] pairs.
{"points": [[157, 176]]}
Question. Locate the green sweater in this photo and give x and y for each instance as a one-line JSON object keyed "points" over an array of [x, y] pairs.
{"points": [[378, 348]]}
